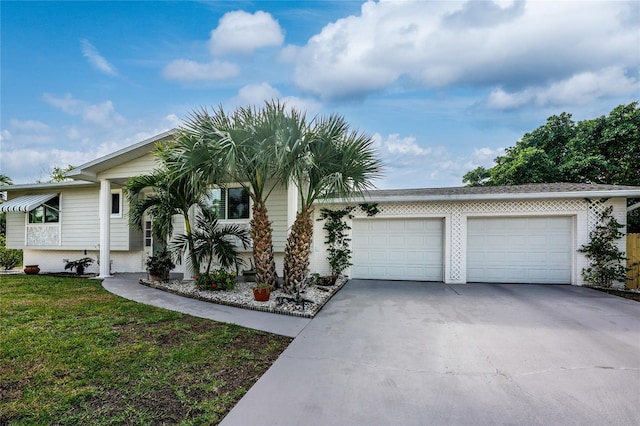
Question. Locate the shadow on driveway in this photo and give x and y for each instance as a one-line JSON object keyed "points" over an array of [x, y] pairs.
{"points": [[430, 353]]}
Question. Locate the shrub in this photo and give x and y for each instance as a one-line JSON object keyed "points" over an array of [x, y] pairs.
{"points": [[79, 265], [160, 264], [216, 280], [605, 257], [9, 258]]}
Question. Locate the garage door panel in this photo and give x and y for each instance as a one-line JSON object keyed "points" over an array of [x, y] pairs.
{"points": [[403, 249], [520, 249]]}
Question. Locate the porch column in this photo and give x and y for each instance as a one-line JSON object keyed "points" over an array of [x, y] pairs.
{"points": [[105, 228], [292, 204]]}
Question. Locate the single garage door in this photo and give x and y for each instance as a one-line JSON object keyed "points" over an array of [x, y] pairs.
{"points": [[397, 249], [520, 250]]}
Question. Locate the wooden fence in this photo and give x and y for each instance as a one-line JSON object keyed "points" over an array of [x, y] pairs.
{"points": [[633, 254]]}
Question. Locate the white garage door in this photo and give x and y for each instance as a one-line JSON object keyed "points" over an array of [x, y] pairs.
{"points": [[397, 249], [520, 250]]}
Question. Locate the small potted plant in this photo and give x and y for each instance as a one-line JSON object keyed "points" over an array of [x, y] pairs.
{"points": [[79, 265], [262, 292], [159, 266]]}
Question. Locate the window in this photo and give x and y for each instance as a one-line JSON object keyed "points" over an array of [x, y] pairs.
{"points": [[148, 238], [230, 203], [48, 212], [116, 203]]}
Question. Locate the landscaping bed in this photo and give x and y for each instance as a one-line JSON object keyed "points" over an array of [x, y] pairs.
{"points": [[632, 294], [73, 353], [242, 296]]}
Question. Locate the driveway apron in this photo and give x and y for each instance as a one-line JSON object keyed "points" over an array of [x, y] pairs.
{"points": [[405, 353]]}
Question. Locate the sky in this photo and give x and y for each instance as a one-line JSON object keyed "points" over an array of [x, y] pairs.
{"points": [[441, 86]]}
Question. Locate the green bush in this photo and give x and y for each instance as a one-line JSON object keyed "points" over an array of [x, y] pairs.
{"points": [[216, 280], [9, 258]]}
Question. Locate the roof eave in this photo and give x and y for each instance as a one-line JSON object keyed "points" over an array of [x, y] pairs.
{"points": [[490, 197], [46, 185]]}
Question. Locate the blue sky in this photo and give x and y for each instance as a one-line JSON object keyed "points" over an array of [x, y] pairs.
{"points": [[442, 87]]}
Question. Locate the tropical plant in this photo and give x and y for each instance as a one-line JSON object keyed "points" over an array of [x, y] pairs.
{"points": [[160, 264], [244, 146], [79, 265], [605, 257], [209, 240], [328, 160], [163, 193], [4, 180]]}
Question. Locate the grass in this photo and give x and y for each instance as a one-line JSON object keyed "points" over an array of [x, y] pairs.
{"points": [[72, 353]]}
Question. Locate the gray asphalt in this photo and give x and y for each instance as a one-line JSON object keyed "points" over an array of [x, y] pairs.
{"points": [[401, 353], [127, 286]]}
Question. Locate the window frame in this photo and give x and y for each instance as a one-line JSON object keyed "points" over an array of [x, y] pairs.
{"points": [[225, 190], [117, 192], [44, 213]]}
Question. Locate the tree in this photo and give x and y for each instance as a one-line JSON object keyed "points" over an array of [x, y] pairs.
{"points": [[244, 147], [162, 194], [329, 159], [57, 174], [209, 240], [4, 180], [602, 150]]}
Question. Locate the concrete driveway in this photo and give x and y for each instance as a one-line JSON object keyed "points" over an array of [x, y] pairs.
{"points": [[402, 353]]}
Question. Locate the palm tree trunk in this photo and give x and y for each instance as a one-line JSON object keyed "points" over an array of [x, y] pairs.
{"points": [[195, 264], [263, 246], [298, 250]]}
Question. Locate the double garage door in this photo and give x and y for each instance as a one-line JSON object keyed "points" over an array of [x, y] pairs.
{"points": [[499, 250]]}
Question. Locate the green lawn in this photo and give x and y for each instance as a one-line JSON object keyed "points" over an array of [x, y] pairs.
{"points": [[72, 353]]}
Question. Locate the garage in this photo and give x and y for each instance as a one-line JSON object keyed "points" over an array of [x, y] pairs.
{"points": [[520, 249], [397, 249]]}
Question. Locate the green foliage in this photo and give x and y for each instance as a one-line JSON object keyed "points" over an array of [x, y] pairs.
{"points": [[259, 286], [9, 258], [605, 257], [79, 265], [337, 240], [217, 280], [160, 264], [371, 209], [603, 150], [210, 240]]}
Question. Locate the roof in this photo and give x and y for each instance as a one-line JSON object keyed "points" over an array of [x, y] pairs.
{"points": [[510, 192], [26, 202], [88, 171], [45, 186]]}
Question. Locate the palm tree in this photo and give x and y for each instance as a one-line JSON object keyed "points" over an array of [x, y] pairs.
{"points": [[245, 145], [5, 180], [209, 240], [329, 160], [170, 193]]}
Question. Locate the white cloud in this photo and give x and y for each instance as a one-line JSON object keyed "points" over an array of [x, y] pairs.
{"points": [[29, 125], [103, 113], [95, 59], [186, 70], [579, 89], [257, 94], [5, 135], [476, 43], [243, 32], [394, 144]]}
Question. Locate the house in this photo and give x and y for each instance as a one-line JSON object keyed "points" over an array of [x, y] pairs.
{"points": [[526, 233]]}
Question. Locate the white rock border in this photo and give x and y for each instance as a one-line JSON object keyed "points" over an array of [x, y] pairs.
{"points": [[242, 296]]}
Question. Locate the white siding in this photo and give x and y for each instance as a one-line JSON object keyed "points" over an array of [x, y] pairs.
{"points": [[139, 166], [277, 207], [80, 219], [15, 230]]}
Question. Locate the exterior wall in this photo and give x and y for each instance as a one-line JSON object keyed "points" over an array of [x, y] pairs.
{"points": [[455, 214], [277, 206], [79, 225], [139, 166], [53, 260]]}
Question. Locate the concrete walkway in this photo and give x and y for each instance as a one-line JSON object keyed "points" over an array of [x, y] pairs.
{"points": [[401, 353], [127, 286]]}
